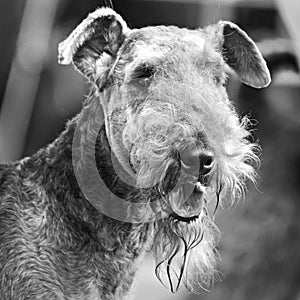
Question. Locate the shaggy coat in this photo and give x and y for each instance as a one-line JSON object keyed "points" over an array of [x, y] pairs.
{"points": [[156, 141]]}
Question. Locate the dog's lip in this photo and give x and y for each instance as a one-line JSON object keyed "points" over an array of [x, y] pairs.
{"points": [[186, 207], [177, 217]]}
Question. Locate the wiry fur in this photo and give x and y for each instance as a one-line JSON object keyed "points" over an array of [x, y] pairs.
{"points": [[157, 98], [154, 156], [186, 255]]}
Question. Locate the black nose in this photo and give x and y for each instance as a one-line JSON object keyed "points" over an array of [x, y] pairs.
{"points": [[197, 161], [206, 159]]}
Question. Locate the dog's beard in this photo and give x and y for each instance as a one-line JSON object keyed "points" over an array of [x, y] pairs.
{"points": [[185, 253]]}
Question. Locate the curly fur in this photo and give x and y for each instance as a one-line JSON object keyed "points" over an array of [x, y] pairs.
{"points": [[78, 216], [186, 254]]}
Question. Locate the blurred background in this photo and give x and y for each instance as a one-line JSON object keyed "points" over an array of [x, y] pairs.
{"points": [[260, 242]]}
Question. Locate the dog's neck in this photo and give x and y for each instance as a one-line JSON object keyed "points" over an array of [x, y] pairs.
{"points": [[78, 224], [53, 168]]}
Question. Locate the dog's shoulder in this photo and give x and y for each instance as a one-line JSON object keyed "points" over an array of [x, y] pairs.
{"points": [[8, 174]]}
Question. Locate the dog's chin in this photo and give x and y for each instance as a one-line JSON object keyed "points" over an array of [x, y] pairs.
{"points": [[184, 250]]}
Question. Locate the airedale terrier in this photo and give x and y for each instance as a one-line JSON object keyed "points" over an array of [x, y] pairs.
{"points": [[157, 140]]}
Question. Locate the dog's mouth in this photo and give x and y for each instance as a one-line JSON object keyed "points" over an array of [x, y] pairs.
{"points": [[189, 211], [177, 218], [184, 194]]}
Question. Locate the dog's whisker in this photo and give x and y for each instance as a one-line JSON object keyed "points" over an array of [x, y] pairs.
{"points": [[197, 240], [183, 264], [157, 273]]}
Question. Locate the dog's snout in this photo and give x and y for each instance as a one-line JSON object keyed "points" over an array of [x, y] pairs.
{"points": [[198, 161], [206, 159]]}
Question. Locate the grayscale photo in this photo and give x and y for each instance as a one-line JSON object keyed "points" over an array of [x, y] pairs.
{"points": [[150, 149]]}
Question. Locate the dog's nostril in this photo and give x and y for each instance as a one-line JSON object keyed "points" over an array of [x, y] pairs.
{"points": [[197, 161], [206, 162]]}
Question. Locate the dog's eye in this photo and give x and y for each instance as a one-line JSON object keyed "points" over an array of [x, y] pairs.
{"points": [[144, 72], [220, 80], [217, 80]]}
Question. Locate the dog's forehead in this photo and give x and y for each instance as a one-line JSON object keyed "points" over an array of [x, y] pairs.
{"points": [[157, 40]]}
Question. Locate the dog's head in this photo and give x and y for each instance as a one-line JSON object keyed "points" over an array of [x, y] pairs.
{"points": [[170, 124]]}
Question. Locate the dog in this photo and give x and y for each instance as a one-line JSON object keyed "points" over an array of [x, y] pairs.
{"points": [[156, 142]]}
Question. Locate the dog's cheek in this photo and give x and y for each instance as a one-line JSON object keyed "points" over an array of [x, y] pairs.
{"points": [[171, 177], [117, 125]]}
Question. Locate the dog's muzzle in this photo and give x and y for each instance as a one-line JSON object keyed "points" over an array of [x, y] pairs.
{"points": [[186, 182]]}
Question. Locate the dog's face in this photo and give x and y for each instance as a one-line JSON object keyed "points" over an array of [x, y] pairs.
{"points": [[170, 124]]}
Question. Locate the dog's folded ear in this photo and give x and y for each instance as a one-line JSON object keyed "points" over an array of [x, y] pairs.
{"points": [[103, 31], [241, 54]]}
